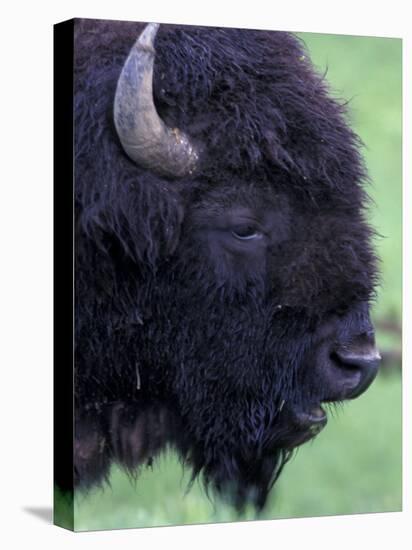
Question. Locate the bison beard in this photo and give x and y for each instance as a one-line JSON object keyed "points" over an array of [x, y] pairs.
{"points": [[216, 311]]}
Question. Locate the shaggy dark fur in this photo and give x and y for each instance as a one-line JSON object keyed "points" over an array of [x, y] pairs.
{"points": [[184, 336]]}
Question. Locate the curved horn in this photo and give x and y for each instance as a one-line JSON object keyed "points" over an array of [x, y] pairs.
{"points": [[144, 136]]}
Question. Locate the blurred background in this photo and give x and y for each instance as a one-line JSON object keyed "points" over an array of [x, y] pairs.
{"points": [[354, 465]]}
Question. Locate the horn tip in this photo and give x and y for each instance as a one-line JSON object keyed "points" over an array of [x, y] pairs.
{"points": [[148, 35]]}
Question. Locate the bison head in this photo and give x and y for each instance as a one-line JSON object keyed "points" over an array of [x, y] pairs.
{"points": [[224, 266]]}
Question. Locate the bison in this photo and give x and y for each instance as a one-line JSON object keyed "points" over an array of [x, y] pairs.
{"points": [[224, 266]]}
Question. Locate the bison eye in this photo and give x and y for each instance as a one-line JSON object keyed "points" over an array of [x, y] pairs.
{"points": [[246, 233]]}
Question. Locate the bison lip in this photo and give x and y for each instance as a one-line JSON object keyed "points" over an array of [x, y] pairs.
{"points": [[316, 418], [309, 423]]}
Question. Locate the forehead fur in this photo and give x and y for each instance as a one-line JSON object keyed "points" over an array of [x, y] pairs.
{"points": [[252, 98]]}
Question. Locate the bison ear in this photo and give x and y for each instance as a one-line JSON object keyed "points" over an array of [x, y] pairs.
{"points": [[136, 215], [146, 221]]}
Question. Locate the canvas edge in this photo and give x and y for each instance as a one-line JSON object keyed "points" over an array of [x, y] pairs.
{"points": [[63, 172]]}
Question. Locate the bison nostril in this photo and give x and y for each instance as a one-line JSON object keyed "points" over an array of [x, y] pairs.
{"points": [[360, 366]]}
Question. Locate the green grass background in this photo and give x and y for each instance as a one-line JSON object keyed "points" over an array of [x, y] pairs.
{"points": [[354, 465]]}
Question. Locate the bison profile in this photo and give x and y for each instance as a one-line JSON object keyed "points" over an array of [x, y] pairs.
{"points": [[224, 268]]}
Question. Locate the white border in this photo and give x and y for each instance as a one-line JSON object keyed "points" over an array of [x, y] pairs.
{"points": [[26, 269]]}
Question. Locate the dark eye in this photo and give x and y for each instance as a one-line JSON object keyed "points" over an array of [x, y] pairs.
{"points": [[246, 233]]}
